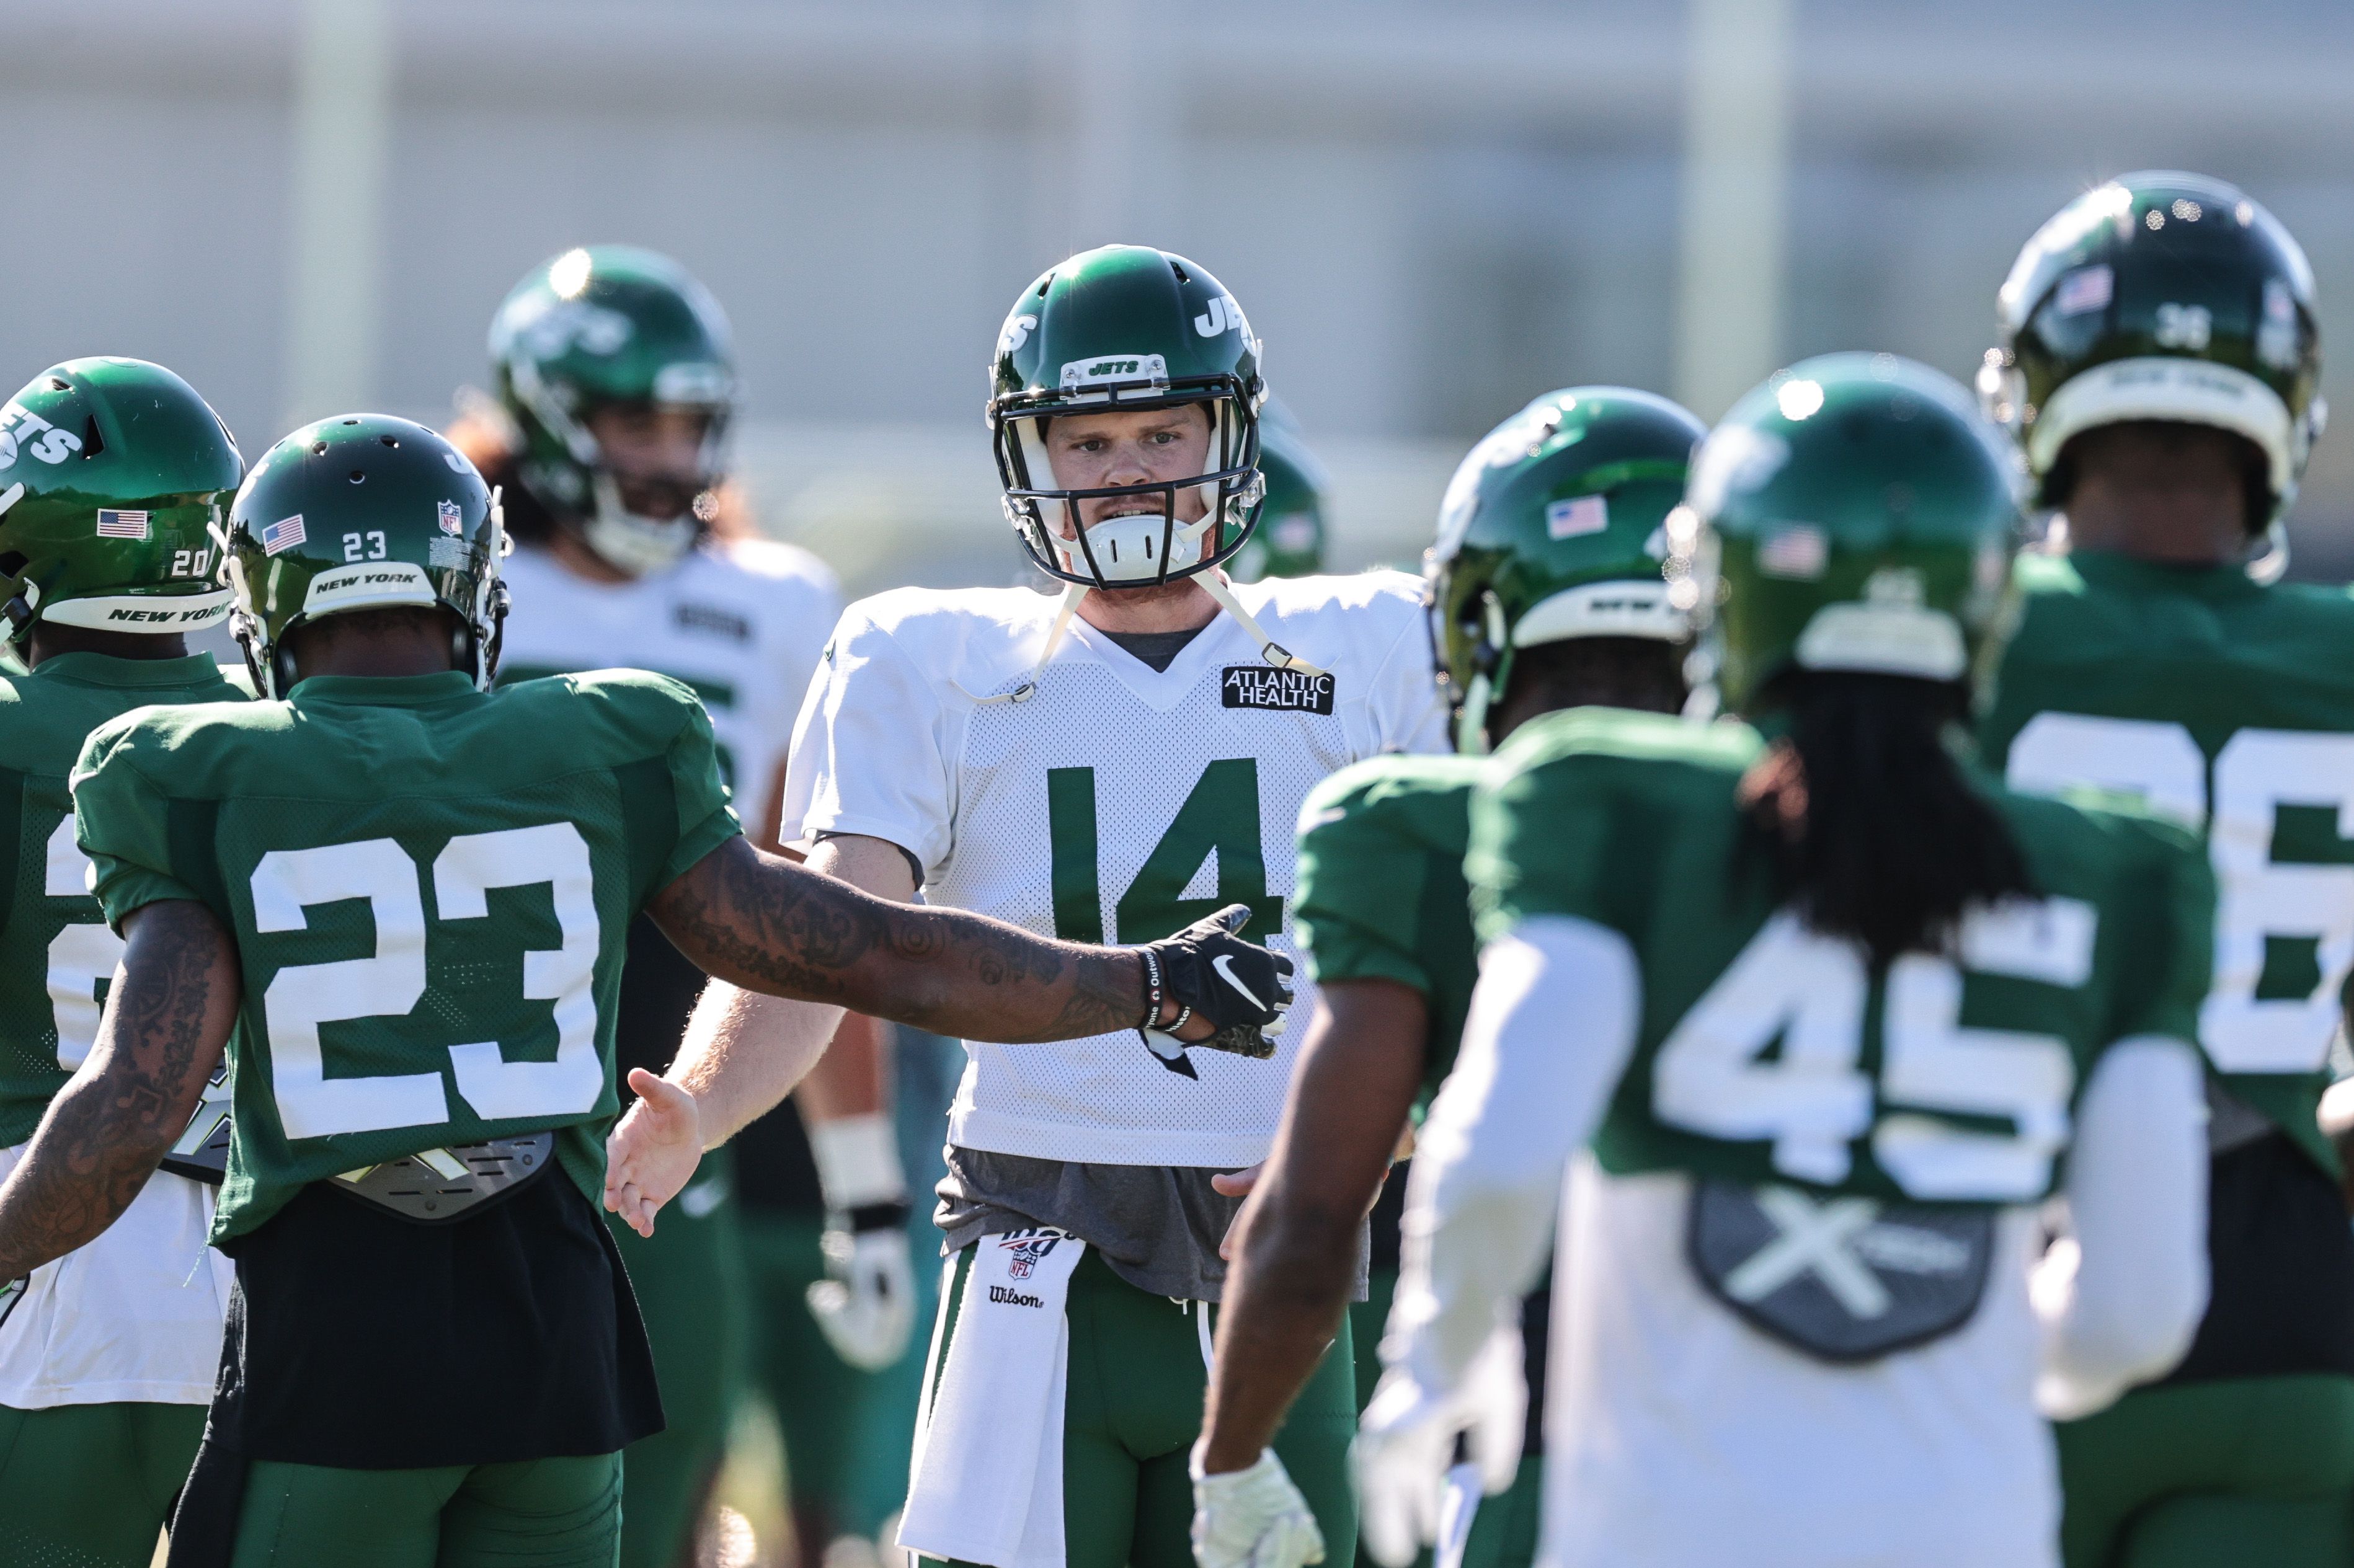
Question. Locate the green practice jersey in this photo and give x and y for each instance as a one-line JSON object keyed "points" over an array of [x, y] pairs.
{"points": [[1769, 1052], [1381, 893], [56, 957], [429, 888], [2228, 705]]}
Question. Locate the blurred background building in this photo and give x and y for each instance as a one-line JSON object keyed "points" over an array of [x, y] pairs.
{"points": [[1433, 211]]}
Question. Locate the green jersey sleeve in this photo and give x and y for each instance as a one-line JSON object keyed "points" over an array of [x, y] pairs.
{"points": [[705, 820], [122, 820], [1361, 885]]}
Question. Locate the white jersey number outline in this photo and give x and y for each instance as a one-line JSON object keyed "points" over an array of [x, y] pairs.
{"points": [[83, 955], [2257, 772], [390, 980], [1808, 993]]}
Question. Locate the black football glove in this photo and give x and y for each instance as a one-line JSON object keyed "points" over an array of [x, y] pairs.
{"points": [[1209, 972]]}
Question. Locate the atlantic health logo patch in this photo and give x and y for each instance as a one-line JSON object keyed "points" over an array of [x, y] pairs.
{"points": [[1282, 691]]}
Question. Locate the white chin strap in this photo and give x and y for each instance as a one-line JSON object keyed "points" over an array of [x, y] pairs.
{"points": [[635, 544]]}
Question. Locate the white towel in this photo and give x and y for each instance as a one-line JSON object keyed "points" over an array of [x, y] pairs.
{"points": [[986, 1484]]}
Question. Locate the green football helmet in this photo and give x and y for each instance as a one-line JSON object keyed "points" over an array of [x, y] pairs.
{"points": [[1290, 539], [601, 326], [2160, 296], [1127, 327], [1551, 529], [363, 511], [113, 474], [1854, 512]]}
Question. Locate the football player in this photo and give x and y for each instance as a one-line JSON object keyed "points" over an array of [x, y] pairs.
{"points": [[615, 386], [2158, 365], [112, 473], [1828, 1009], [1099, 767], [409, 896], [1547, 593]]}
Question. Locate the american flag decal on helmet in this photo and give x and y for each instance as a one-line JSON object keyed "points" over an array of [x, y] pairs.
{"points": [[113, 525], [283, 535]]}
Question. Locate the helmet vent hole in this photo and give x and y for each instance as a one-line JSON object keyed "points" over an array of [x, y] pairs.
{"points": [[59, 384], [92, 443], [359, 476], [318, 449], [351, 421], [389, 441], [11, 563], [1181, 278]]}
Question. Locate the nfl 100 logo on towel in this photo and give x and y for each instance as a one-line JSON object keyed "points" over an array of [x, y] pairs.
{"points": [[1028, 1247], [1284, 691]]}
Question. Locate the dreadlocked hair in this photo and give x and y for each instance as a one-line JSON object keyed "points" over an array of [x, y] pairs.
{"points": [[1866, 819]]}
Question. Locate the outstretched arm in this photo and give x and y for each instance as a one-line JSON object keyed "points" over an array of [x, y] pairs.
{"points": [[760, 922], [168, 1018], [1552, 1024], [1358, 1071]]}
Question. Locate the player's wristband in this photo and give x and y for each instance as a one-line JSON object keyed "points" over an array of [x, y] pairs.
{"points": [[857, 1163], [1151, 1019]]}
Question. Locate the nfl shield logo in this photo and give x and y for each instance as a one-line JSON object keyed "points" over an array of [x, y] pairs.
{"points": [[452, 519], [1027, 1247]]}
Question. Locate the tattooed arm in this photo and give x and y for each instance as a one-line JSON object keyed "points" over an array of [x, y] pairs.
{"points": [[764, 924], [175, 996]]}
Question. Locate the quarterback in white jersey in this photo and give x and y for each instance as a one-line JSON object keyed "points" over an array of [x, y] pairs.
{"points": [[1109, 766]]}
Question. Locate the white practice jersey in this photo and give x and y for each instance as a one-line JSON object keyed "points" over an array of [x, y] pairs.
{"points": [[134, 1317], [741, 623], [1115, 804], [1652, 1379]]}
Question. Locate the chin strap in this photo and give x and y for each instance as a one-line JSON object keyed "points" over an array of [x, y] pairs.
{"points": [[1273, 653], [1072, 594]]}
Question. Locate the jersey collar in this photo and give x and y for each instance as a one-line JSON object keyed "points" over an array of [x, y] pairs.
{"points": [[106, 670], [1159, 690], [2113, 569], [385, 690]]}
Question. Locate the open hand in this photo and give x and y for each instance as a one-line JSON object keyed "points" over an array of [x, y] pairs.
{"points": [[652, 1153]]}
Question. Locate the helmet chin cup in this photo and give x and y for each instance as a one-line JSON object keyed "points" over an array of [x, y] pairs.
{"points": [[631, 544], [1138, 548]]}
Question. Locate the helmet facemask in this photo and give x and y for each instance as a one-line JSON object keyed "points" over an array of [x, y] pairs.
{"points": [[1142, 549], [585, 489]]}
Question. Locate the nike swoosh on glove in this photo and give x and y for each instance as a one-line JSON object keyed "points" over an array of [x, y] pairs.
{"points": [[1242, 990]]}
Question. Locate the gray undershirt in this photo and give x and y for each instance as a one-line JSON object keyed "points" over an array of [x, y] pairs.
{"points": [[1158, 1226], [1156, 649]]}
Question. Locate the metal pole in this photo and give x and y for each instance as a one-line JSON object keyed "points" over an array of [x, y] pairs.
{"points": [[1735, 191], [341, 115]]}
